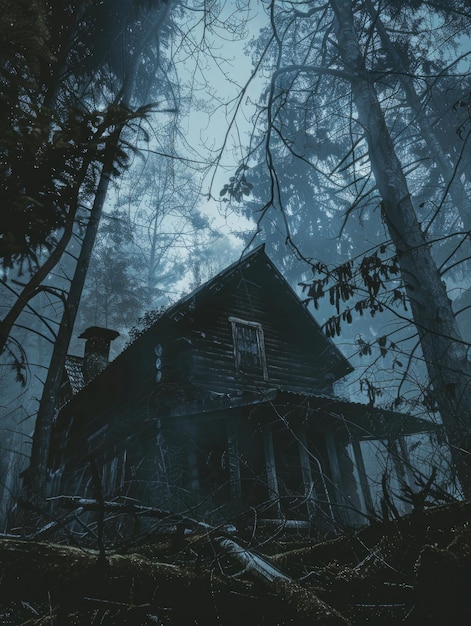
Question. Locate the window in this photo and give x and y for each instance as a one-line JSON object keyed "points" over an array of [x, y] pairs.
{"points": [[249, 347]]}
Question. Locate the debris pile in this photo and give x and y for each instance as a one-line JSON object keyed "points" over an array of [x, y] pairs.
{"points": [[413, 570]]}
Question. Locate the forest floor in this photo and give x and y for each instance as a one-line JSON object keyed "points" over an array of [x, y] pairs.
{"points": [[413, 570]]}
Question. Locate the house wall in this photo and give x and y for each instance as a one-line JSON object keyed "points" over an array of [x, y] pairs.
{"points": [[216, 463], [293, 357], [118, 419]]}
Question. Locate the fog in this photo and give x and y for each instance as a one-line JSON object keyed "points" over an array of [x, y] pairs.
{"points": [[214, 77]]}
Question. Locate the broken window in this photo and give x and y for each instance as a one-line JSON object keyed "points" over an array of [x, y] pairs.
{"points": [[249, 347]]}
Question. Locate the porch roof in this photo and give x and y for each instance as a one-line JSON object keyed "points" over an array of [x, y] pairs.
{"points": [[345, 418]]}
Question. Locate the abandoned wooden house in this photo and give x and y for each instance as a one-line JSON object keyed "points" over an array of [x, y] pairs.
{"points": [[226, 402]]}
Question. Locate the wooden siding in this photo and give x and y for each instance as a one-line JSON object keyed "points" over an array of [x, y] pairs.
{"points": [[128, 389], [197, 362], [292, 362]]}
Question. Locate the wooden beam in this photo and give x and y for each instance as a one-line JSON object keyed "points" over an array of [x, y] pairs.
{"points": [[362, 476], [407, 462], [304, 459], [270, 465], [234, 459], [336, 475], [395, 450]]}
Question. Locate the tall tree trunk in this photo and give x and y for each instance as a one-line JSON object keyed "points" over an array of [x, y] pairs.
{"points": [[443, 348], [447, 170], [36, 475], [34, 286]]}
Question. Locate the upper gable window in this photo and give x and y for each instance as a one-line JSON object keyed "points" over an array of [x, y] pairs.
{"points": [[249, 347]]}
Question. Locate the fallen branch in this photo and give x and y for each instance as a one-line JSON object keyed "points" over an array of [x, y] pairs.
{"points": [[69, 579], [75, 502], [252, 564]]}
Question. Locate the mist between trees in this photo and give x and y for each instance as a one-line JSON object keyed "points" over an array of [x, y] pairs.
{"points": [[138, 160]]}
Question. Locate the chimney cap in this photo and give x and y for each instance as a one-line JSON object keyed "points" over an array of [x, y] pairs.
{"points": [[99, 333]]}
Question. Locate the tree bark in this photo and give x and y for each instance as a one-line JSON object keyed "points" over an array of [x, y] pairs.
{"points": [[33, 287], [36, 474], [444, 351], [447, 170]]}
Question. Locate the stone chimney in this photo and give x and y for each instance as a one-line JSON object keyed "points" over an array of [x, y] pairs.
{"points": [[97, 350]]}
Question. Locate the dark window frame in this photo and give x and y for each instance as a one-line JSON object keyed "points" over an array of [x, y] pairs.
{"points": [[245, 368]]}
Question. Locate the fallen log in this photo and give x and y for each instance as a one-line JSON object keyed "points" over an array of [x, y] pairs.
{"points": [[251, 563], [356, 547], [70, 579]]}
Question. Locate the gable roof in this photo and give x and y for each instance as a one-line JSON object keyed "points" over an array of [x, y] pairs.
{"points": [[257, 263], [261, 267]]}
